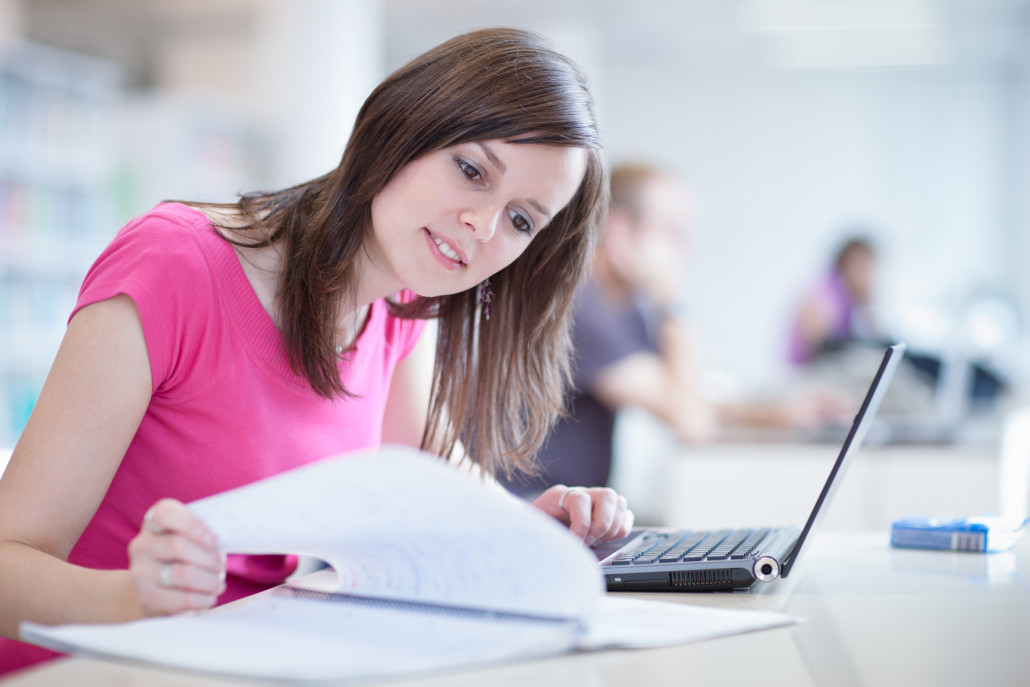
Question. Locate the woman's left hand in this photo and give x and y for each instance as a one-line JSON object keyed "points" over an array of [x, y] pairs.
{"points": [[594, 514]]}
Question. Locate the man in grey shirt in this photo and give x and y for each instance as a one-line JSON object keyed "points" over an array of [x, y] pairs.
{"points": [[632, 345]]}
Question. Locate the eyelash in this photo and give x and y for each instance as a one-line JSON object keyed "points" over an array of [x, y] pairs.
{"points": [[471, 173], [520, 223], [465, 166]]}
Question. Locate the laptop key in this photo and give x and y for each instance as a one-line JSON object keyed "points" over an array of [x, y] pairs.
{"points": [[746, 549], [730, 543]]}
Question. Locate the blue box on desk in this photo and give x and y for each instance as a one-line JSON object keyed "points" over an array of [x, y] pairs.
{"points": [[981, 534]]}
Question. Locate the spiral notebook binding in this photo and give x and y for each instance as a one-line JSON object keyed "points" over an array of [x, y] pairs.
{"points": [[420, 606]]}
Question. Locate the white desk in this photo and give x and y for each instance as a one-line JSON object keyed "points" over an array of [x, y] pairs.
{"points": [[876, 616], [770, 482]]}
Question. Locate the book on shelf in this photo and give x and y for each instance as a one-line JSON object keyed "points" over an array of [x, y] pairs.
{"points": [[431, 571]]}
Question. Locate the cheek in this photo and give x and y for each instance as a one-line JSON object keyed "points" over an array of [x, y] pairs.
{"points": [[501, 254], [513, 249]]}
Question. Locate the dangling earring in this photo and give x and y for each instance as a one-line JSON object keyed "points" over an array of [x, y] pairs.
{"points": [[486, 298]]}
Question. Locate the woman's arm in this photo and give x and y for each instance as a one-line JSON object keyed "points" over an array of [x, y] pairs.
{"points": [[407, 403], [87, 413]]}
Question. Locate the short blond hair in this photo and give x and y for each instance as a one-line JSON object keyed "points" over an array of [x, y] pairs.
{"points": [[627, 185]]}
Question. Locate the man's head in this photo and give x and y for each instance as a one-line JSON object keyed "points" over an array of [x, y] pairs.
{"points": [[649, 225]]}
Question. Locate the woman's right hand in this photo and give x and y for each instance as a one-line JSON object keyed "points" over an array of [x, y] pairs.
{"points": [[174, 561]]}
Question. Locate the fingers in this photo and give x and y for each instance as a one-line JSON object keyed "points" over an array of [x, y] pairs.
{"points": [[608, 513], [622, 523], [175, 563], [596, 514], [169, 515], [577, 503]]}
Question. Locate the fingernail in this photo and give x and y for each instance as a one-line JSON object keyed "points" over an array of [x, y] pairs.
{"points": [[590, 540]]}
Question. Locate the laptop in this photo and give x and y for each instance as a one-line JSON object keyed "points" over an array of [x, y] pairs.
{"points": [[941, 422], [655, 560]]}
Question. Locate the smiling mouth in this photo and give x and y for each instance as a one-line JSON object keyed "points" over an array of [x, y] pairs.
{"points": [[446, 249]]}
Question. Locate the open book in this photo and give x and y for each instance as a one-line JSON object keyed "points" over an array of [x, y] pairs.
{"points": [[431, 571]]}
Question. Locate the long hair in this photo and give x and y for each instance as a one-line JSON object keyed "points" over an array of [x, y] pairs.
{"points": [[498, 385]]}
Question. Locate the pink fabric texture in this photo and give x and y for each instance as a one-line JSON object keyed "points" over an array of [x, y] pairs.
{"points": [[226, 409], [832, 294]]}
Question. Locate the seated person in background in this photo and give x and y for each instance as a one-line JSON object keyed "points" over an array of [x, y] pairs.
{"points": [[837, 311], [633, 343]]}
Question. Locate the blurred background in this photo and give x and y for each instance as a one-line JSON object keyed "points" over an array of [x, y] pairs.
{"points": [[794, 121]]}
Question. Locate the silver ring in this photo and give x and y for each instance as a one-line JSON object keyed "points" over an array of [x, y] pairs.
{"points": [[166, 575], [561, 499]]}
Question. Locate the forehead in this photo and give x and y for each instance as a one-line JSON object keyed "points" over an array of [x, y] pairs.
{"points": [[663, 188], [550, 173], [664, 197]]}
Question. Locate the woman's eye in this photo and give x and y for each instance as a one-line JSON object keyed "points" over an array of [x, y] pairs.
{"points": [[519, 222], [470, 171]]}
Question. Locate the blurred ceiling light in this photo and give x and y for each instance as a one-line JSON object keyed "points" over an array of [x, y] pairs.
{"points": [[834, 34]]}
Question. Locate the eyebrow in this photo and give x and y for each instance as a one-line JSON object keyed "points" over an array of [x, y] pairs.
{"points": [[492, 156], [542, 210], [499, 164]]}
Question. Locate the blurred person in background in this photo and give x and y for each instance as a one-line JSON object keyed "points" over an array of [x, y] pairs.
{"points": [[837, 311], [835, 326], [635, 345]]}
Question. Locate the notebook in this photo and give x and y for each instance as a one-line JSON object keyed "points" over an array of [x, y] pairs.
{"points": [[417, 586], [656, 559]]}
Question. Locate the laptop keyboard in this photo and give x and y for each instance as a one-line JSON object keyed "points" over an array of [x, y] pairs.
{"points": [[687, 545]]}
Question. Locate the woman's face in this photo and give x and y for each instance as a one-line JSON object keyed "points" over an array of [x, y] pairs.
{"points": [[455, 216]]}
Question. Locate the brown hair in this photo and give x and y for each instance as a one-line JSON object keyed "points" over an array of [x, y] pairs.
{"points": [[499, 385], [854, 246], [627, 185]]}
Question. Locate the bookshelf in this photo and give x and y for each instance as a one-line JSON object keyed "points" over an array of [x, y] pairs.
{"points": [[58, 159], [80, 155]]}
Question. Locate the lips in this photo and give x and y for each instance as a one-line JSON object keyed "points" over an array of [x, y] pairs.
{"points": [[447, 255]]}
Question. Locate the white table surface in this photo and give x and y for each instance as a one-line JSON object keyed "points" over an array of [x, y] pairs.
{"points": [[874, 616]]}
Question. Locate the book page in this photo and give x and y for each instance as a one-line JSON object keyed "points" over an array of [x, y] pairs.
{"points": [[274, 637], [399, 523], [269, 637], [396, 524], [629, 622]]}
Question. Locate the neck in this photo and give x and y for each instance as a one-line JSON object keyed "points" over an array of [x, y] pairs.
{"points": [[263, 268], [372, 282]]}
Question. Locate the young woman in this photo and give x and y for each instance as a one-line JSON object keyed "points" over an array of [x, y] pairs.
{"points": [[214, 345]]}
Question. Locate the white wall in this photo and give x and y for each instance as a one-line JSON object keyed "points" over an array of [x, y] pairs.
{"points": [[1017, 236], [313, 64], [781, 163]]}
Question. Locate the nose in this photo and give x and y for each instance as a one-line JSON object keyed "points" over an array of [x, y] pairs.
{"points": [[482, 221]]}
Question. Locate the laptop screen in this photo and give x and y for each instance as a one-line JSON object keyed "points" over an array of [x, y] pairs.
{"points": [[859, 428]]}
